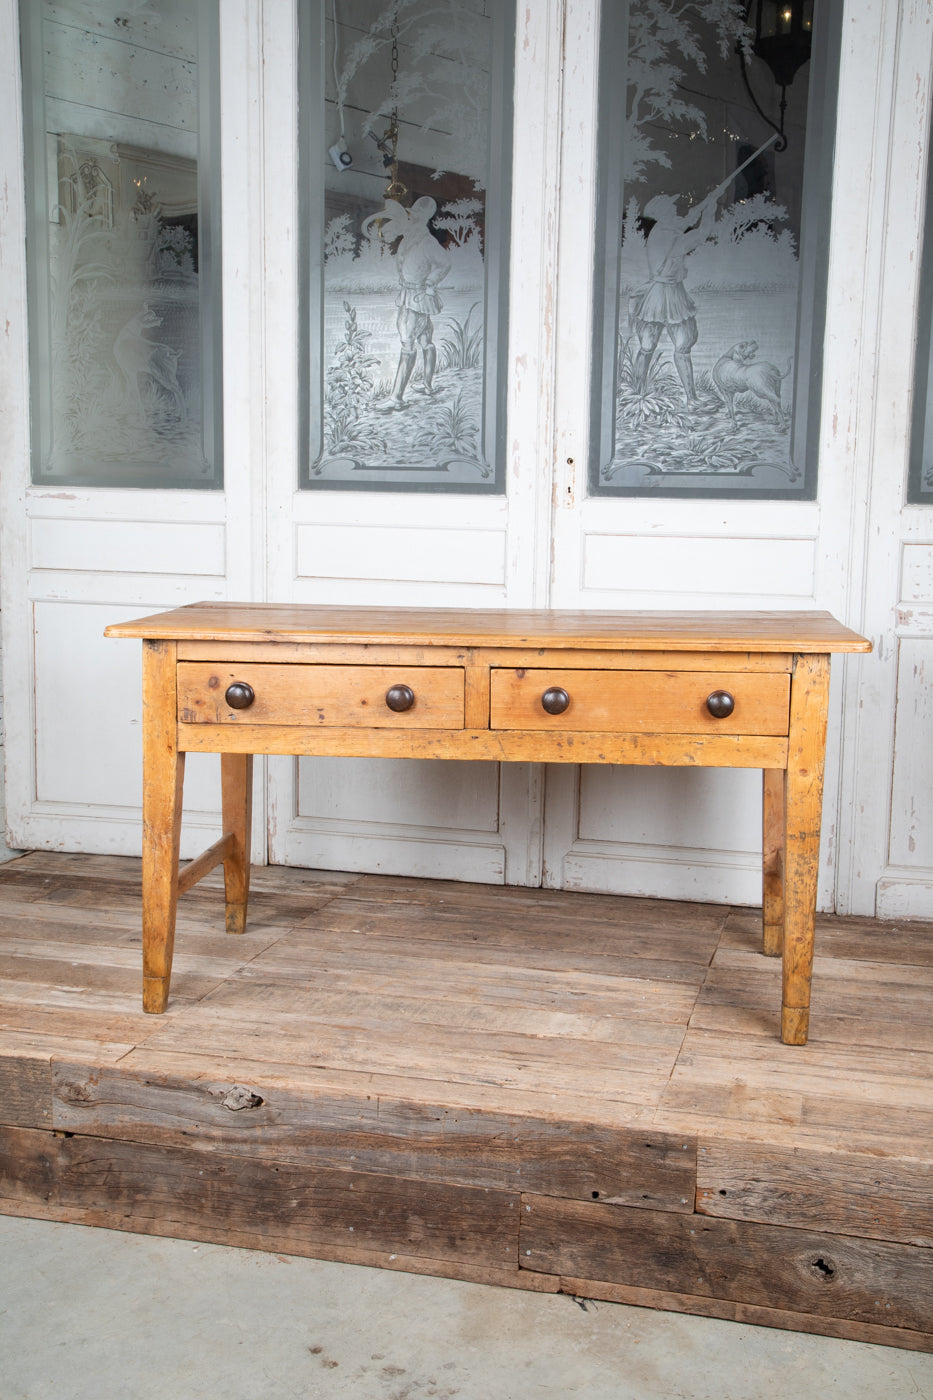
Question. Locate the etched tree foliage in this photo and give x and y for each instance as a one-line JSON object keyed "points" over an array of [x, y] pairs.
{"points": [[666, 42], [123, 303]]}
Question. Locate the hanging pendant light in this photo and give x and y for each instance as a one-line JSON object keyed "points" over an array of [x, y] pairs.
{"points": [[783, 34]]}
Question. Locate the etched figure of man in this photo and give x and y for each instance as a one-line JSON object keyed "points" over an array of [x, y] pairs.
{"points": [[663, 304], [422, 265]]}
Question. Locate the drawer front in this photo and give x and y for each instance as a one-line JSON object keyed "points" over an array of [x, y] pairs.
{"points": [[641, 702], [341, 697]]}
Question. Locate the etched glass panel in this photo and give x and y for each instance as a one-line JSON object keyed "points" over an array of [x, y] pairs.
{"points": [[920, 479], [405, 127], [710, 287], [120, 106]]}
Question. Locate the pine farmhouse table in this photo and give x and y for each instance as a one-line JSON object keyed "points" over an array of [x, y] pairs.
{"points": [[712, 689]]}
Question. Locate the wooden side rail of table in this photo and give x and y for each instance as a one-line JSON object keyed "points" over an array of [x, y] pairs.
{"points": [[714, 689]]}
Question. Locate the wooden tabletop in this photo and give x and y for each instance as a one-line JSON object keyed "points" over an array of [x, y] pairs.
{"points": [[647, 631]]}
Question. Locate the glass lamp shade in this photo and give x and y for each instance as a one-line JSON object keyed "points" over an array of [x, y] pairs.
{"points": [[783, 31]]}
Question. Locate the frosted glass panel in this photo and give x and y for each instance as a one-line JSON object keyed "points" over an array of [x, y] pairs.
{"points": [[920, 480], [123, 255], [405, 134], [715, 154]]}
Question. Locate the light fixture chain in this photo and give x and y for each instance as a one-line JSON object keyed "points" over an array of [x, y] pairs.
{"points": [[395, 189]]}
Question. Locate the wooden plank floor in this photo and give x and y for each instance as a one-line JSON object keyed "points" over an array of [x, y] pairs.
{"points": [[541, 1089]]}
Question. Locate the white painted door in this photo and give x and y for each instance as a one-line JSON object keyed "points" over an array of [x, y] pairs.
{"points": [[887, 860], [470, 821], [117, 144], [696, 834]]}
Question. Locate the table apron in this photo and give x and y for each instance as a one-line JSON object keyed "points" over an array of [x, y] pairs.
{"points": [[518, 746]]}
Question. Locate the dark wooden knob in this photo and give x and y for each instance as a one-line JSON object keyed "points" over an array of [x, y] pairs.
{"points": [[239, 696], [555, 700], [400, 698], [720, 704]]}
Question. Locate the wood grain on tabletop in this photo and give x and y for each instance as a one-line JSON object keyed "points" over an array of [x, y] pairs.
{"points": [[478, 660], [714, 630]]}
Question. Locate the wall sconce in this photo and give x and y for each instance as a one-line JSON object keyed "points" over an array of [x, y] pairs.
{"points": [[782, 38]]}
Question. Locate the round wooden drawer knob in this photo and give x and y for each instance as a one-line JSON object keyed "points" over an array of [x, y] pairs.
{"points": [[720, 704], [400, 698], [555, 700], [239, 696]]}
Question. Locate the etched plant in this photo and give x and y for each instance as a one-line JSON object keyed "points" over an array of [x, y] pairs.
{"points": [[82, 373], [659, 401], [709, 454], [462, 346], [80, 255], [451, 431], [348, 390]]}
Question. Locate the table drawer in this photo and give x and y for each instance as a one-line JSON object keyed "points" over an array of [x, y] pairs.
{"points": [[343, 697], [641, 702]]}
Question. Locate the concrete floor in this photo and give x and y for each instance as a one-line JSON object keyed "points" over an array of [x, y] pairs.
{"points": [[91, 1314]]}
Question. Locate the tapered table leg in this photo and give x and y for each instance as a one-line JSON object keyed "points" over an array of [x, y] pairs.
{"points": [[236, 773], [163, 786], [803, 802], [772, 862]]}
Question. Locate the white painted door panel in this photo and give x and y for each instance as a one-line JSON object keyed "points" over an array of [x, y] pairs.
{"points": [[638, 830], [402, 554], [88, 764], [691, 566], [437, 819]]}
